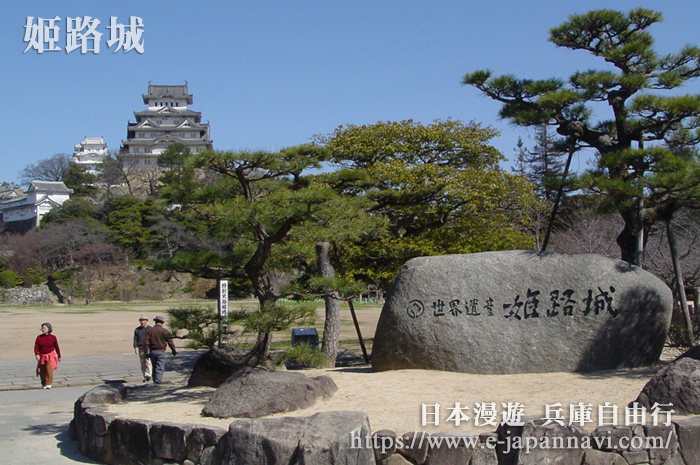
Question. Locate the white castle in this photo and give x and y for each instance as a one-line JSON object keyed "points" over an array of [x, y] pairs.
{"points": [[22, 210], [167, 120], [90, 153]]}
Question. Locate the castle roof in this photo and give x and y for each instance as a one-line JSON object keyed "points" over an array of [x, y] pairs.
{"points": [[93, 140], [162, 91], [48, 186], [168, 111], [165, 138]]}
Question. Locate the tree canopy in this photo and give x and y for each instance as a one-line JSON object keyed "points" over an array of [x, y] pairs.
{"points": [[438, 186], [647, 144], [53, 168]]}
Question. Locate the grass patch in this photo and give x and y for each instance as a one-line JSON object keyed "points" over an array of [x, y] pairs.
{"points": [[356, 341]]}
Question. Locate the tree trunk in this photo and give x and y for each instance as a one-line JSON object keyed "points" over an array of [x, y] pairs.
{"points": [[680, 286], [627, 239], [53, 287], [260, 353], [357, 330], [331, 325], [639, 247], [560, 192]]}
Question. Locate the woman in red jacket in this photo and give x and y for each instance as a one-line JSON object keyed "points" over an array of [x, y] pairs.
{"points": [[48, 354]]}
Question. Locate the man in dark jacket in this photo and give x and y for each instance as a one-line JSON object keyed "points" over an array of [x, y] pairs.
{"points": [[157, 340]]}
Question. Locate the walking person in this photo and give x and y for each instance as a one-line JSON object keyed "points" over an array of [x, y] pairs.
{"points": [[48, 354], [139, 337], [157, 340]]}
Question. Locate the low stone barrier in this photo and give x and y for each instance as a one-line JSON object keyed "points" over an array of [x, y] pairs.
{"points": [[26, 296], [344, 438]]}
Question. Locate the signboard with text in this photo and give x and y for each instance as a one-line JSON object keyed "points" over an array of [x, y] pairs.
{"points": [[223, 298]]}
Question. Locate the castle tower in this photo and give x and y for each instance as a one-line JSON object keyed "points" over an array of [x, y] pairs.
{"points": [[166, 120], [90, 153]]}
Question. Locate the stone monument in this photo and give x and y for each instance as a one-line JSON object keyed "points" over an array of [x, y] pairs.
{"points": [[521, 312]]}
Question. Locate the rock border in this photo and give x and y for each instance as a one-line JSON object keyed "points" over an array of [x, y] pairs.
{"points": [[108, 439]]}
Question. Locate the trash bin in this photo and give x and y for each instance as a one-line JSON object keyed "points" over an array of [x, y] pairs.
{"points": [[305, 336]]}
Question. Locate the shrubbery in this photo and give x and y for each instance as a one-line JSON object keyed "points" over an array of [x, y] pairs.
{"points": [[302, 354], [200, 325], [9, 278]]}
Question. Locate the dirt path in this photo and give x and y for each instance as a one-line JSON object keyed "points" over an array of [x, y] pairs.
{"points": [[107, 328]]}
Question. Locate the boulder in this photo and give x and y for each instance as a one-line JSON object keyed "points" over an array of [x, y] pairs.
{"points": [[104, 395], [667, 442], [201, 438], [452, 451], [169, 441], [485, 453], [677, 384], [212, 369], [598, 457], [129, 441], [384, 443], [415, 447], [324, 438], [253, 393], [542, 435], [521, 312], [688, 434]]}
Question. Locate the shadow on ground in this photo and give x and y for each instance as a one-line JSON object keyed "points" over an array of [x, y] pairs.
{"points": [[67, 447]]}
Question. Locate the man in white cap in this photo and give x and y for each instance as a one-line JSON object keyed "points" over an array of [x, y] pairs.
{"points": [[157, 340], [139, 337]]}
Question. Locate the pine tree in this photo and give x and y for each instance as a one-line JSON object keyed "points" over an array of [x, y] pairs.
{"points": [[638, 172]]}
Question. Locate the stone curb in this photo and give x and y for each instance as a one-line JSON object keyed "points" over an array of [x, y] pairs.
{"points": [[106, 438]]}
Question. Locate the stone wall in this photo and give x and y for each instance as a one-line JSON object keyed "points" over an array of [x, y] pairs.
{"points": [[108, 439], [26, 296]]}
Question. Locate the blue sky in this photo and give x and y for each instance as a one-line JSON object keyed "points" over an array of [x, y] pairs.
{"points": [[272, 73]]}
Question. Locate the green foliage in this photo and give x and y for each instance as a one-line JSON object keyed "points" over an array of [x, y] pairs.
{"points": [[82, 182], [200, 323], [646, 143], [64, 277], [434, 190], [9, 278], [33, 276], [302, 354], [245, 209], [278, 317], [313, 286], [76, 208], [65, 274], [543, 165], [174, 157], [177, 172], [130, 222], [441, 143]]}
